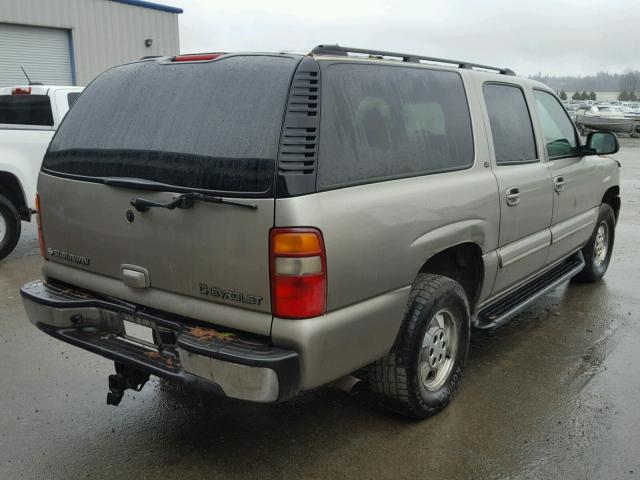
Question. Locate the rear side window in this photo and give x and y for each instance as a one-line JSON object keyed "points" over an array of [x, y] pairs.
{"points": [[207, 126], [559, 134], [71, 98], [26, 110], [383, 122], [511, 127]]}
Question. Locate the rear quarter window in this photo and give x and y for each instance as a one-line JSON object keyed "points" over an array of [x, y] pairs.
{"points": [[72, 97], [26, 110], [384, 122]]}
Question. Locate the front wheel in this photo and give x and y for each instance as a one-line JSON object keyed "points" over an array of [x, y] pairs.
{"points": [[597, 251], [420, 374], [9, 227]]}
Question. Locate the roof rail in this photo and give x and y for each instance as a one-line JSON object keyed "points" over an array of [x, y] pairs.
{"points": [[406, 57]]}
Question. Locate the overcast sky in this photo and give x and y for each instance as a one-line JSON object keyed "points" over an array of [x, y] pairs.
{"points": [[561, 37]]}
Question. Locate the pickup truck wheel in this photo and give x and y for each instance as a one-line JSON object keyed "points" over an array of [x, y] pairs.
{"points": [[597, 251], [420, 374], [9, 227]]}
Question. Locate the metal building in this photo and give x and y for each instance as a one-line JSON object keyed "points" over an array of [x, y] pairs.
{"points": [[70, 42]]}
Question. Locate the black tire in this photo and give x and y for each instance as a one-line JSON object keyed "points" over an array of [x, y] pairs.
{"points": [[11, 225], [397, 376], [596, 266]]}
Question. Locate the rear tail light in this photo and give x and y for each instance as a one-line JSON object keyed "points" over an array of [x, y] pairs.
{"points": [[298, 273], [21, 91], [197, 57], [40, 234]]}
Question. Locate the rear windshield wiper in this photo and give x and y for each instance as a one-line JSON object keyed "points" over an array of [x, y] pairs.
{"points": [[182, 200], [186, 200]]}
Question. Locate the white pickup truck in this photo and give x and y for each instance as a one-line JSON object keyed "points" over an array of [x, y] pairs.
{"points": [[29, 116]]}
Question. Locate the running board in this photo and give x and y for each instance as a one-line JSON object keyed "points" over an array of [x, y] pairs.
{"points": [[503, 309]]}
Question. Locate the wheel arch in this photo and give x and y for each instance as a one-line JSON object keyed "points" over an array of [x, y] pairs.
{"points": [[11, 188], [612, 198], [462, 262]]}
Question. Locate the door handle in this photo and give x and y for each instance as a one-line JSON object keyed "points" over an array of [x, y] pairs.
{"points": [[559, 183], [513, 196]]}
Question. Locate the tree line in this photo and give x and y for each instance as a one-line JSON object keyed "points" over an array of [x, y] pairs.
{"points": [[624, 96], [578, 96], [628, 82]]}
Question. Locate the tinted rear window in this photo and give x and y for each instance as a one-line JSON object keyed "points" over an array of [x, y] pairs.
{"points": [[380, 122], [26, 110], [208, 126]]}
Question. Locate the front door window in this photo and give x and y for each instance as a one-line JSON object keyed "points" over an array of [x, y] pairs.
{"points": [[559, 134]]}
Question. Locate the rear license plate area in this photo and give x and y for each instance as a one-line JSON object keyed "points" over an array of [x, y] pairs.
{"points": [[138, 332]]}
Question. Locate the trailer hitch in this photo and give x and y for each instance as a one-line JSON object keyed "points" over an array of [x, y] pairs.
{"points": [[125, 377]]}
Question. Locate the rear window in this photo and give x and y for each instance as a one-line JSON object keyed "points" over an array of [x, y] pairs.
{"points": [[207, 126], [26, 110], [382, 122]]}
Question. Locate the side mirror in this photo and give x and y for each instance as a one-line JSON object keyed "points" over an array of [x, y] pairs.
{"points": [[601, 143]]}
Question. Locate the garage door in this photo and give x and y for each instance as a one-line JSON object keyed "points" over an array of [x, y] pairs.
{"points": [[43, 52]]}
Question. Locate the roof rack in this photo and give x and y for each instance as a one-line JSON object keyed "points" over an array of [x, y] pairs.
{"points": [[406, 57]]}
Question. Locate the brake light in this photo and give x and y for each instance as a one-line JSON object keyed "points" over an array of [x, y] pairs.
{"points": [[197, 58], [298, 273], [21, 91], [40, 234]]}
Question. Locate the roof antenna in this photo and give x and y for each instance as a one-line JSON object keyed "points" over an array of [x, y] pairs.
{"points": [[25, 74], [30, 82]]}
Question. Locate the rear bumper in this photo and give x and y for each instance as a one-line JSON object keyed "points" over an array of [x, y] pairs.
{"points": [[227, 363]]}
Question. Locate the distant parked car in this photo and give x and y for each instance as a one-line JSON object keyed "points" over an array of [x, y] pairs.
{"points": [[29, 116]]}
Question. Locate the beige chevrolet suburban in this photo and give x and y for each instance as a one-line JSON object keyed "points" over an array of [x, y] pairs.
{"points": [[260, 224]]}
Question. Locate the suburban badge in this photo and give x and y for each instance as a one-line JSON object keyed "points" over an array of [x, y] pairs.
{"points": [[70, 257]]}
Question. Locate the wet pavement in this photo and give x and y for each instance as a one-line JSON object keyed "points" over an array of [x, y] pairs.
{"points": [[553, 394]]}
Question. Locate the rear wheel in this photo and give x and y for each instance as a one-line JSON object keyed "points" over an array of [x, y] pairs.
{"points": [[9, 227], [420, 374], [597, 251]]}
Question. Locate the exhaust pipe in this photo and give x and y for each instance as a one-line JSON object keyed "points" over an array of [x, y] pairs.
{"points": [[349, 384]]}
